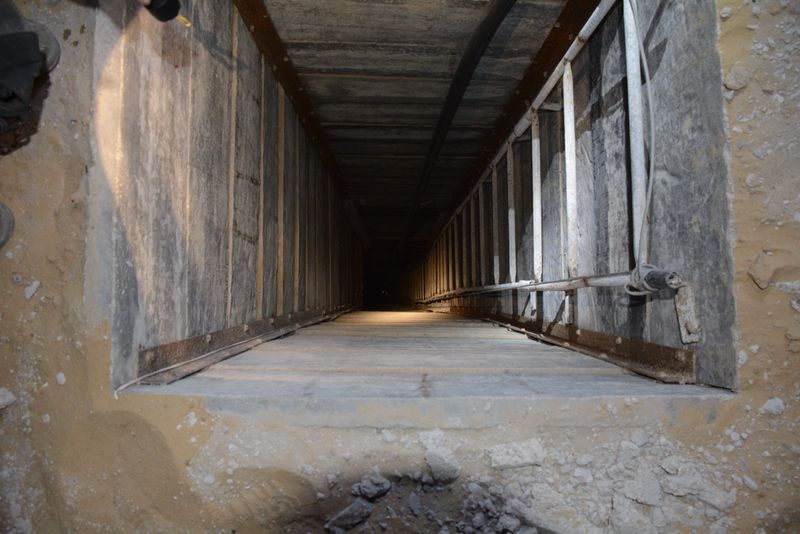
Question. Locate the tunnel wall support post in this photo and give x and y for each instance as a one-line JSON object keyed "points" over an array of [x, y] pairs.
{"points": [[281, 199], [495, 226], [571, 178], [512, 214], [484, 249], [475, 280], [635, 124], [465, 253], [457, 247], [260, 254], [536, 184]]}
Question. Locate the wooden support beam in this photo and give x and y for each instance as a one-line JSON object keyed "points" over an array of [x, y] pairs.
{"points": [[473, 234], [260, 267], [297, 221], [466, 275], [512, 214], [281, 165], [456, 253], [570, 172], [571, 178], [484, 248], [536, 183], [495, 226]]}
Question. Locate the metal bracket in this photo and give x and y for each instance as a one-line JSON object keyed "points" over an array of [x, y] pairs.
{"points": [[688, 322]]}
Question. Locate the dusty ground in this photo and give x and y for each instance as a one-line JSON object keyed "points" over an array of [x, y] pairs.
{"points": [[75, 459]]}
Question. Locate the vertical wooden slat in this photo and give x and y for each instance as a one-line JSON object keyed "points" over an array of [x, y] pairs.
{"points": [[234, 85], [208, 188], [484, 249], [456, 251], [296, 218], [536, 179], [281, 150], [270, 183], [570, 172], [465, 252], [260, 267], [439, 266], [512, 215], [245, 181], [475, 279], [495, 227], [451, 258], [289, 208]]}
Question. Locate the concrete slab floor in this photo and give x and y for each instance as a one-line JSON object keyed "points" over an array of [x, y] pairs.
{"points": [[402, 360]]}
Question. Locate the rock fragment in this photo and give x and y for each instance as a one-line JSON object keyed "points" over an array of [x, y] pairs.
{"points": [[508, 523], [517, 454], [414, 504], [372, 487], [443, 465], [355, 514], [774, 406], [30, 289], [6, 398], [750, 483], [761, 271], [738, 77], [644, 489], [583, 475], [690, 481]]}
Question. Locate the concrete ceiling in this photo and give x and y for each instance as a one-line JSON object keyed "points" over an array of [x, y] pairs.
{"points": [[378, 73]]}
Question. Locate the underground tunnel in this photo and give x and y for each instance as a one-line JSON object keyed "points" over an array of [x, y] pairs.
{"points": [[399, 266]]}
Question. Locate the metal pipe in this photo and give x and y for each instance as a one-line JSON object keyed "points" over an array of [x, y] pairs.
{"points": [[569, 284], [635, 127]]}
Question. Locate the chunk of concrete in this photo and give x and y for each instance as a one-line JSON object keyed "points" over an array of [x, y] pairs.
{"points": [[414, 504], [444, 466], [761, 271], [737, 77], [517, 454], [644, 488], [355, 514], [774, 406], [690, 481], [372, 487], [6, 398]]}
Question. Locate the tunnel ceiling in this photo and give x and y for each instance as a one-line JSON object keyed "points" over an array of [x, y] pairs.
{"points": [[378, 73]]}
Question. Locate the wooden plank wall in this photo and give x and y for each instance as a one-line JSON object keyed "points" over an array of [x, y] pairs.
{"points": [[224, 212], [686, 235]]}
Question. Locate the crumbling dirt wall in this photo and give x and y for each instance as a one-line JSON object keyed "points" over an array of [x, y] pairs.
{"points": [[75, 459]]}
